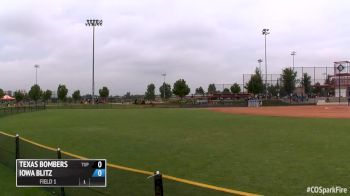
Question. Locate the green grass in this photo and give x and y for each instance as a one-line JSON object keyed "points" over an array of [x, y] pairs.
{"points": [[266, 155], [8, 184]]}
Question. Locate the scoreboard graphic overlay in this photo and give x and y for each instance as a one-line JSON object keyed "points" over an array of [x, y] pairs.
{"points": [[61, 173]]}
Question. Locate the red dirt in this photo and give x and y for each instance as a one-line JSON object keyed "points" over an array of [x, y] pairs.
{"points": [[291, 111]]}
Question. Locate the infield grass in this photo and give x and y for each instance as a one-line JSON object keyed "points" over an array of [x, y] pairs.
{"points": [[265, 155]]}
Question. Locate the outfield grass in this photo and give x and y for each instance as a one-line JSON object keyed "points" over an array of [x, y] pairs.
{"points": [[8, 185], [266, 155]]}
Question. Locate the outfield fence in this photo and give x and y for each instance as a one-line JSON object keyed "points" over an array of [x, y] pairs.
{"points": [[20, 109], [121, 180]]}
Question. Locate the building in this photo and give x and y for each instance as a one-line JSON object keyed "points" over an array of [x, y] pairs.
{"points": [[341, 79]]}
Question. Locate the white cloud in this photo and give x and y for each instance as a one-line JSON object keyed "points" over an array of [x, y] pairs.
{"points": [[201, 41]]}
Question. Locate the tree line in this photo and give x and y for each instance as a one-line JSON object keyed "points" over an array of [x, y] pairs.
{"points": [[36, 94], [181, 89], [285, 85]]}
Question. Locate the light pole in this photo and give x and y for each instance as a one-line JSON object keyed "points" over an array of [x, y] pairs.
{"points": [[293, 53], [93, 23], [164, 74], [265, 32], [36, 73], [260, 61]]}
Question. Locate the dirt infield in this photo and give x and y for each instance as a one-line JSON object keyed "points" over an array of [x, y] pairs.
{"points": [[292, 111]]}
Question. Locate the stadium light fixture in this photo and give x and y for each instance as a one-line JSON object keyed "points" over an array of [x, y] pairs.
{"points": [[265, 32], [293, 53], [93, 23], [36, 73]]}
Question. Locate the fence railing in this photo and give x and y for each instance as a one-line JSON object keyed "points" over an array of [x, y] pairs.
{"points": [[121, 180], [20, 109]]}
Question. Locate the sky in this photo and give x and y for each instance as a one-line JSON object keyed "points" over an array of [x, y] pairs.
{"points": [[201, 41]]}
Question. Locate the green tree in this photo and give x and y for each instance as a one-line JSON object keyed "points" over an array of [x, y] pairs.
{"points": [[235, 88], [289, 80], [255, 84], [226, 90], [104, 92], [330, 89], [211, 88], [181, 89], [76, 96], [273, 90], [35, 93], [200, 91], [306, 83], [127, 95], [1, 93], [19, 96], [47, 95], [168, 92], [317, 88], [150, 93], [62, 92]]}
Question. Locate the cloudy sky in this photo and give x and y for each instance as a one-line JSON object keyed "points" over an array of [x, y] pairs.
{"points": [[202, 41]]}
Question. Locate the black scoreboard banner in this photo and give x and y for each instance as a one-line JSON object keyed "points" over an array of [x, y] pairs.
{"points": [[61, 173]]}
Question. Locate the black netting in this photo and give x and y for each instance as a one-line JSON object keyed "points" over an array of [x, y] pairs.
{"points": [[119, 182]]}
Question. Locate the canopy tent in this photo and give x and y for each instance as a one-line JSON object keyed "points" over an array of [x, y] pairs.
{"points": [[7, 98]]}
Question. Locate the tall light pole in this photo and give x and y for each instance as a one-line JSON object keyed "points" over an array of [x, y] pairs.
{"points": [[265, 32], [36, 73], [93, 23], [164, 74], [293, 53], [260, 61]]}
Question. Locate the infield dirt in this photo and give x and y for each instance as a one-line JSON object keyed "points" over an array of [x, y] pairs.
{"points": [[291, 111]]}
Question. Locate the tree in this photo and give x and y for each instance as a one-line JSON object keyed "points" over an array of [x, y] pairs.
{"points": [[19, 96], [328, 80], [306, 83], [76, 96], [317, 88], [211, 88], [255, 84], [1, 93], [62, 92], [180, 88], [47, 95], [289, 80], [104, 92], [35, 93], [226, 90], [273, 90], [330, 89], [168, 92], [200, 91], [235, 88], [150, 93], [127, 95]]}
